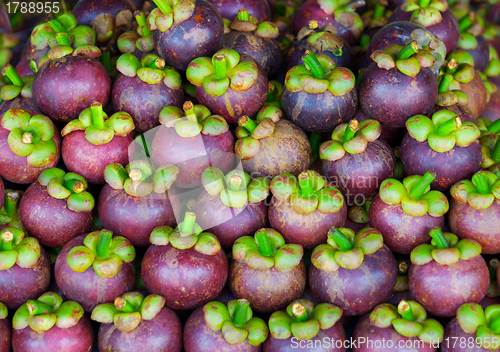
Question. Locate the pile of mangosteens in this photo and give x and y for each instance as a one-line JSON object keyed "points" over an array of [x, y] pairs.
{"points": [[250, 175]]}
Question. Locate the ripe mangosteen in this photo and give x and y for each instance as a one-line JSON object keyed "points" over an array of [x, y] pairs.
{"points": [[227, 327], [139, 41], [5, 330], [357, 217], [24, 268], [137, 323], [49, 324], [9, 212], [228, 9], [472, 40], [266, 271], [304, 208], [401, 290], [95, 268], [447, 273], [229, 84], [19, 94], [353, 271], [57, 207], [136, 199]]}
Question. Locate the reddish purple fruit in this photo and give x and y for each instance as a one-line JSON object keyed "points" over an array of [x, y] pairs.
{"points": [[5, 330], [260, 9]]}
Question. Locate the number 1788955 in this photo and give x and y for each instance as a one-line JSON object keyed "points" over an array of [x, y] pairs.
{"points": [[39, 7]]}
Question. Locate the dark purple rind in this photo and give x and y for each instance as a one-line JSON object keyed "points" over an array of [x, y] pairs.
{"points": [[257, 8], [481, 54], [441, 289], [392, 135], [88, 288], [357, 291], [267, 290], [2, 193], [477, 94], [186, 278], [457, 340], [397, 297], [18, 102], [401, 232], [5, 335], [492, 108], [86, 11]]}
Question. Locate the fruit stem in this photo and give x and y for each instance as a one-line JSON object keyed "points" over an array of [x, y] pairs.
{"points": [[405, 310], [312, 64], [340, 239], [481, 183], [11, 73], [403, 267], [315, 140], [410, 49], [234, 183], [243, 15], [445, 82], [495, 126], [364, 41], [450, 126], [7, 238], [424, 3], [27, 138], [350, 130], [241, 313], [103, 245], [466, 22], [97, 115], [220, 65], [140, 17], [313, 24], [188, 108], [378, 11], [56, 25], [306, 184], [145, 146], [163, 6], [495, 326], [10, 203], [495, 153], [123, 305], [188, 224], [262, 239], [105, 60], [37, 307], [63, 39], [299, 311], [248, 123], [158, 63], [438, 236], [419, 189]]}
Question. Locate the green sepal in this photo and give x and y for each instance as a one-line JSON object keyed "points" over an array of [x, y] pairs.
{"points": [[432, 330], [215, 314], [327, 315], [470, 317], [280, 325], [407, 328], [68, 314], [383, 315], [151, 306], [305, 330], [127, 322], [104, 313]]}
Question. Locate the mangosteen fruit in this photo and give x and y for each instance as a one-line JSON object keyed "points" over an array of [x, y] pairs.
{"points": [[5, 330]]}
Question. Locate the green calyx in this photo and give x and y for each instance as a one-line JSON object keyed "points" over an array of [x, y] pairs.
{"points": [[443, 132], [7, 42], [99, 129], [274, 94], [307, 192], [188, 234], [359, 213], [303, 320], [128, 310], [402, 279], [319, 74], [103, 251], [267, 249], [150, 69], [409, 319], [193, 120], [376, 17], [44, 35], [245, 22], [449, 92], [344, 13], [223, 71], [69, 186], [20, 86], [15, 248], [139, 179], [346, 249], [408, 59], [169, 12], [9, 213], [460, 64], [45, 312], [235, 321], [324, 39], [490, 143], [414, 195], [445, 249], [480, 192], [352, 138], [236, 188], [484, 323], [425, 12], [30, 137], [140, 39], [77, 41]]}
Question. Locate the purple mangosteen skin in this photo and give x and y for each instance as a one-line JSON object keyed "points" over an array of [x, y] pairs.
{"points": [[199, 337], [441, 289], [49, 219], [211, 214], [135, 217], [78, 338], [257, 8], [401, 232], [15, 168], [186, 278], [391, 97], [359, 290], [397, 297], [192, 155], [64, 87], [479, 225], [18, 102], [2, 193], [492, 108], [18, 285], [267, 290], [358, 176], [392, 135], [323, 342], [455, 338], [143, 101], [356, 227], [450, 167], [162, 333], [462, 111], [319, 112], [86, 11], [476, 91], [234, 104], [200, 35], [89, 160], [307, 230], [88, 288], [5, 335], [369, 338]]}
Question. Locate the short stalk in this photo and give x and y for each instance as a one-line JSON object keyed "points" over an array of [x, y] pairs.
{"points": [[10, 203], [495, 153], [234, 183], [103, 245], [306, 184], [299, 312], [403, 267], [424, 3], [248, 123], [350, 130], [220, 66], [243, 15], [313, 24], [140, 17], [27, 138], [311, 62], [188, 108], [379, 11], [271, 94], [123, 305], [97, 115], [158, 63], [495, 126], [7, 240], [481, 183], [241, 313], [262, 239], [438, 236], [466, 22], [63, 39], [163, 6], [410, 49], [405, 310], [188, 224], [145, 145], [105, 60], [419, 189], [340, 239], [38, 307], [445, 83], [10, 73], [450, 126], [315, 140], [364, 41]]}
